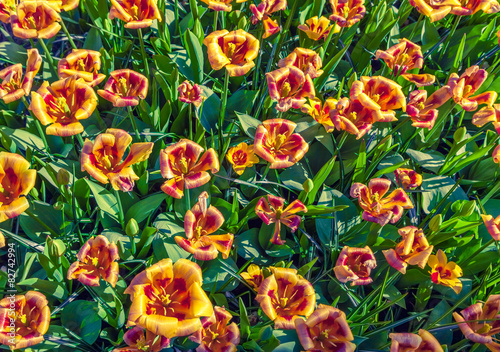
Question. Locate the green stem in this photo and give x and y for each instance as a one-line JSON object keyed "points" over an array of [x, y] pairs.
{"points": [[80, 139], [143, 51], [190, 122], [216, 17], [65, 30], [134, 125], [257, 66], [284, 32], [187, 198], [420, 18], [38, 125], [328, 40], [49, 58], [448, 37], [223, 108], [120, 209], [468, 260], [339, 34]]}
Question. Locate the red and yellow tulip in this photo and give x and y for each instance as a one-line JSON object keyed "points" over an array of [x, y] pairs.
{"points": [[16, 181], [234, 50], [124, 88], [14, 86], [307, 60], [266, 8], [220, 5], [200, 223], [102, 159], [470, 7], [413, 249], [216, 334], [61, 105], [422, 110], [183, 167], [276, 143], [355, 265], [35, 19], [378, 208], [84, 64], [271, 211], [408, 179], [290, 87], [30, 315], [138, 341], [241, 157], [444, 272], [464, 86], [97, 258], [435, 10], [493, 225], [405, 56], [351, 116], [326, 329], [253, 276], [318, 28], [488, 114], [135, 13], [408, 342], [321, 112], [68, 5], [7, 8], [284, 296], [480, 322], [347, 12], [190, 93], [167, 299]]}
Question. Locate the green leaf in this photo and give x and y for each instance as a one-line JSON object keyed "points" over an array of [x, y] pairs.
{"points": [[50, 288], [195, 53], [145, 207], [318, 181], [106, 201], [81, 318], [359, 171], [248, 124]]}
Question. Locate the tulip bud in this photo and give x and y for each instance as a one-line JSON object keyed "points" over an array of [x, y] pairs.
{"points": [[468, 208], [436, 222], [132, 228], [58, 205], [56, 247], [459, 134], [308, 185], [354, 77], [63, 177]]}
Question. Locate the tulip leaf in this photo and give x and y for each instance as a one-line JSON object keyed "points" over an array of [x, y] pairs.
{"points": [[145, 207], [195, 54], [106, 201], [86, 324], [248, 124]]}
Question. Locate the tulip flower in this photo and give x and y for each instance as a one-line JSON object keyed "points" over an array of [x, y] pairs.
{"points": [[485, 115], [2, 240], [266, 8], [445, 273], [135, 13], [168, 300], [216, 335], [219, 5], [253, 276], [271, 212], [7, 8], [493, 225], [405, 56], [284, 296], [379, 94], [241, 157], [378, 208], [96, 259], [353, 117], [16, 181], [276, 143], [84, 64], [189, 93], [422, 110], [35, 19], [199, 223], [470, 7], [183, 167], [355, 265], [307, 60], [412, 250], [137, 341], [234, 50], [408, 342], [479, 322], [290, 87], [61, 105], [28, 315], [318, 28], [124, 88], [433, 9], [102, 159], [68, 5], [270, 26], [321, 112], [408, 178], [496, 155], [326, 329], [347, 12], [466, 85], [14, 86]]}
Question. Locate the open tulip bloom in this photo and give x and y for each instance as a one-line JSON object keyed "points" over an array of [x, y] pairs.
{"points": [[423, 342], [35, 19], [84, 64], [14, 86], [216, 333]]}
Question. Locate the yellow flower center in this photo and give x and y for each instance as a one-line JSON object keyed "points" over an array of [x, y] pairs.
{"points": [[375, 197], [283, 301], [22, 318], [134, 11], [285, 89], [231, 48], [31, 22], [323, 335], [345, 11], [279, 212], [106, 162], [280, 139], [420, 106], [485, 329], [141, 344], [122, 85], [197, 231], [353, 116], [467, 89], [13, 83], [95, 261], [376, 98], [63, 105], [183, 165], [81, 65], [166, 300]]}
